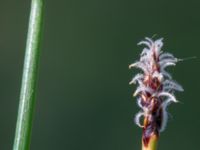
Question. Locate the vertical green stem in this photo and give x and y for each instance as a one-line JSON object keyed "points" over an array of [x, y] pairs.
{"points": [[28, 87], [152, 144]]}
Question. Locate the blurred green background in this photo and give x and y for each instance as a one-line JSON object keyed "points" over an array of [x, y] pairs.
{"points": [[83, 97]]}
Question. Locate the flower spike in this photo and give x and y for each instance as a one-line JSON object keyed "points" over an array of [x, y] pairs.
{"points": [[155, 89]]}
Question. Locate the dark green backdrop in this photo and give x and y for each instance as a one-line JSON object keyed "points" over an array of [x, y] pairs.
{"points": [[84, 101]]}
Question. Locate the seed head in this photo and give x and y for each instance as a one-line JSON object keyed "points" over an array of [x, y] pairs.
{"points": [[155, 89]]}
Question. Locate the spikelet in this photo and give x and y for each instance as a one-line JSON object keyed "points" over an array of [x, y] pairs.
{"points": [[155, 89]]}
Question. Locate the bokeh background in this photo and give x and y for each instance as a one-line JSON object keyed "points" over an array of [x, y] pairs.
{"points": [[83, 97]]}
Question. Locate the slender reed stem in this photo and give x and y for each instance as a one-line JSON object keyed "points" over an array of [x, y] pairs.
{"points": [[28, 87], [152, 144]]}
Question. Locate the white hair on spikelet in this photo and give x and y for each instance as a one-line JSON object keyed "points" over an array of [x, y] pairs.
{"points": [[156, 88]]}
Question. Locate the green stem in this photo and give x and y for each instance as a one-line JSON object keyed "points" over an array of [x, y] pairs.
{"points": [[28, 87], [152, 144]]}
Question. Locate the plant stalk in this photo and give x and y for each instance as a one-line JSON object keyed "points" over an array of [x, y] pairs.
{"points": [[29, 77], [152, 144]]}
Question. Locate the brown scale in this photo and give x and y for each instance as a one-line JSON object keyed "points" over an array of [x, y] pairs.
{"points": [[152, 123]]}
